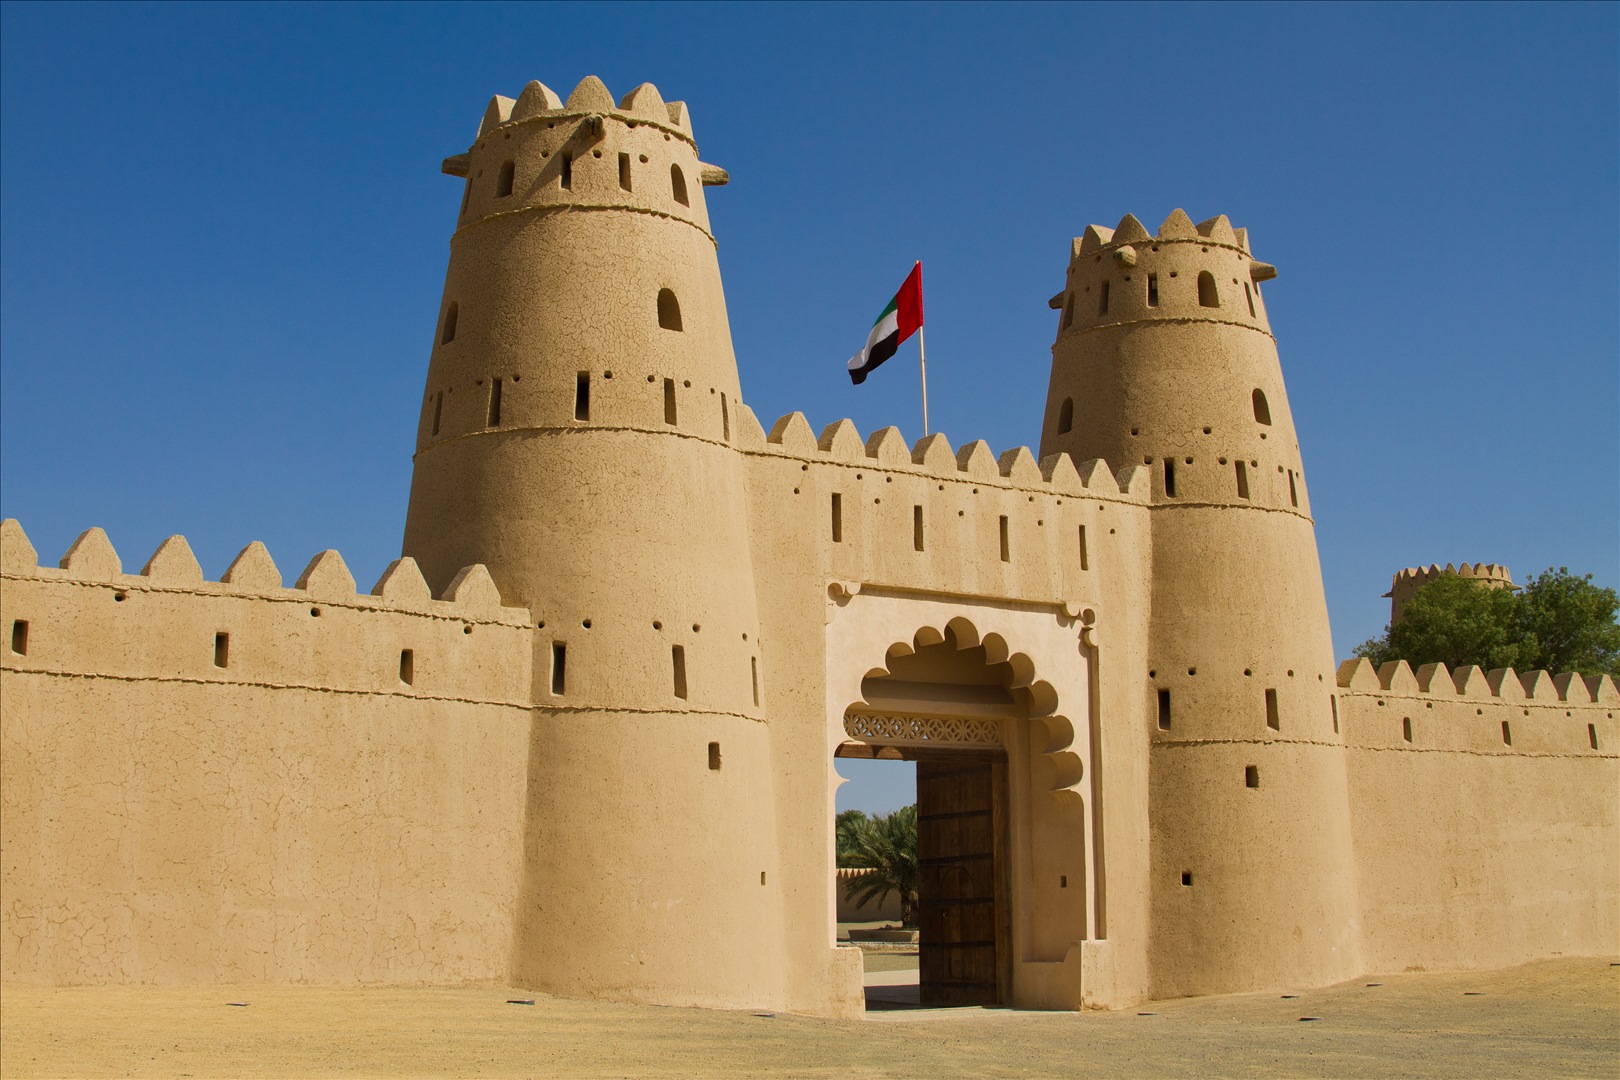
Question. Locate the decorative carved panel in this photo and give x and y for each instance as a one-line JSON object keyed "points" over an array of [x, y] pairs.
{"points": [[923, 730]]}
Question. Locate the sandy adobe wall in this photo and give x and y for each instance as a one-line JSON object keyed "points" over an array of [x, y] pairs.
{"points": [[1484, 812], [811, 575], [235, 781]]}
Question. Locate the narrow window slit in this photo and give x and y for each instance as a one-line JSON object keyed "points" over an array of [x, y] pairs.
{"points": [[1333, 704], [559, 667], [917, 528], [677, 185], [837, 518], [407, 666], [1153, 290], [1102, 299], [1591, 733], [1068, 312], [714, 760], [725, 420], [19, 637], [438, 410], [1066, 416], [1262, 411], [222, 650], [1006, 551], [582, 396], [1251, 776], [1293, 492], [1406, 728], [669, 402], [566, 174], [1169, 478], [753, 665], [1085, 558], [1164, 710], [1243, 479], [450, 315], [503, 182], [624, 172], [1507, 734], [677, 655], [495, 403], [1273, 716], [1249, 296]]}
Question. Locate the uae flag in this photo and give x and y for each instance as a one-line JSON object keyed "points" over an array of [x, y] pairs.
{"points": [[898, 322]]}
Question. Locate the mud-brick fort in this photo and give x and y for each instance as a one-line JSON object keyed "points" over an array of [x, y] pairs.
{"points": [[584, 735]]}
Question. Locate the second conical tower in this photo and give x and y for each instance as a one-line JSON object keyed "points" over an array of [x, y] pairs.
{"points": [[1164, 358]]}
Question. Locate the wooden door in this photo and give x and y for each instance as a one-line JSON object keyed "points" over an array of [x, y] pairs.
{"points": [[961, 899]]}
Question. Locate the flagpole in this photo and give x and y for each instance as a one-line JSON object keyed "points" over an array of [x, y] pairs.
{"points": [[922, 357]]}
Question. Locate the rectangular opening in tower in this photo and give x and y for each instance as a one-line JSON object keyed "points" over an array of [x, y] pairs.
{"points": [[624, 171], [1507, 734], [714, 757], [669, 402], [1273, 717], [1102, 299], [582, 396], [222, 650], [916, 528], [1006, 551], [753, 670], [1591, 733], [1243, 479], [677, 656], [1293, 492], [1153, 290], [407, 666], [725, 419], [438, 411], [1164, 710], [1085, 557], [565, 174], [1068, 312], [1251, 776], [495, 403], [19, 637], [1333, 704], [1169, 478], [559, 667], [1406, 728], [1249, 296], [837, 518]]}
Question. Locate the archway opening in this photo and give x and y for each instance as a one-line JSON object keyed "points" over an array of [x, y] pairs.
{"points": [[943, 710]]}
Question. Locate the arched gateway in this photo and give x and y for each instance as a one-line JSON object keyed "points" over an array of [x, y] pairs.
{"points": [[995, 704]]}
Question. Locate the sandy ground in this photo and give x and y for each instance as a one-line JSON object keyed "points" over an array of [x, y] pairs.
{"points": [[1559, 1018]]}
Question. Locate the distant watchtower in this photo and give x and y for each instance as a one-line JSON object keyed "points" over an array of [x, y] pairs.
{"points": [[1413, 578], [1164, 358], [575, 437]]}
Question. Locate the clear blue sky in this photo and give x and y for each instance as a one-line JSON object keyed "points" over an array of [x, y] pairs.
{"points": [[223, 233]]}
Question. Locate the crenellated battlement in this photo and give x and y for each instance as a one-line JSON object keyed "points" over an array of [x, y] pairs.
{"points": [[472, 595], [1408, 581], [1539, 687]]}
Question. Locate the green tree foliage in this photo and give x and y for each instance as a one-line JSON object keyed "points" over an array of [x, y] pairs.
{"points": [[886, 847], [846, 826], [1560, 622]]}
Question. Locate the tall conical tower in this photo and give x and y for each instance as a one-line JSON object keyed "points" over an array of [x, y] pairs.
{"points": [[1164, 357], [575, 438]]}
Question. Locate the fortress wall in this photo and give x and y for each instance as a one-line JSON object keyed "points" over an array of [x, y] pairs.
{"points": [[1473, 851], [803, 573], [278, 806]]}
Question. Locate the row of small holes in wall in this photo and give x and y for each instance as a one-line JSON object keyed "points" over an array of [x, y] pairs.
{"points": [[1273, 712], [1507, 732], [1257, 400], [667, 305], [222, 648], [1209, 295], [582, 403], [1242, 473], [917, 532], [506, 178], [677, 656]]}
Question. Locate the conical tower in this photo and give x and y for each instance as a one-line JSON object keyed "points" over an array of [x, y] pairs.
{"points": [[575, 438], [1164, 357]]}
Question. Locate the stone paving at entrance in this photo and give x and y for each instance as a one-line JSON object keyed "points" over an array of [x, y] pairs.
{"points": [[1556, 1018]]}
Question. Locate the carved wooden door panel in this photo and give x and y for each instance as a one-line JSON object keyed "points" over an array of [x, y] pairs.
{"points": [[962, 902]]}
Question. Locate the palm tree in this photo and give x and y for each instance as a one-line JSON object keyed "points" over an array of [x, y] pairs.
{"points": [[886, 847]]}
